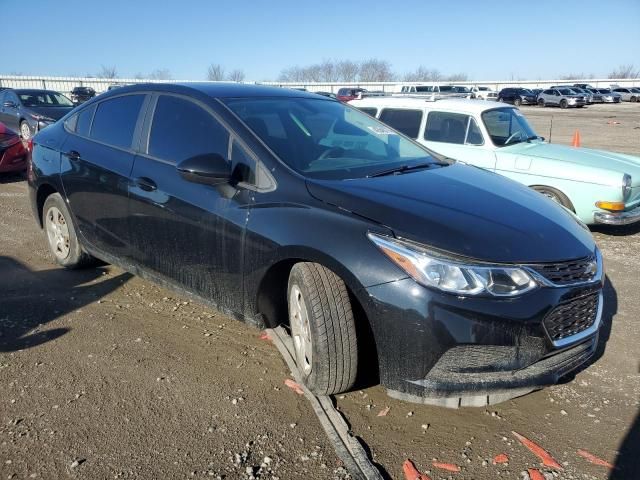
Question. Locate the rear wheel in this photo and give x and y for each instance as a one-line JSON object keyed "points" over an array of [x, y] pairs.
{"points": [[563, 103], [25, 130], [323, 328], [633, 99], [61, 234], [555, 195], [517, 101]]}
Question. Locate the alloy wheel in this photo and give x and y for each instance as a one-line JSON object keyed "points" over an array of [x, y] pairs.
{"points": [[57, 233], [300, 330]]}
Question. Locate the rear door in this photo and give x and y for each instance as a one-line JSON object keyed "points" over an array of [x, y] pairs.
{"points": [[186, 233], [96, 162], [458, 136]]}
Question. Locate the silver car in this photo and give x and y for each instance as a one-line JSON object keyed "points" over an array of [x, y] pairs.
{"points": [[562, 97], [608, 96], [577, 90], [628, 94]]}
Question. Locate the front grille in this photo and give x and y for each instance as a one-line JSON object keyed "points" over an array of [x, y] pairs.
{"points": [[572, 317], [567, 273]]}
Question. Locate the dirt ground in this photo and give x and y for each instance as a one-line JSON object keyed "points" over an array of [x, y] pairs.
{"points": [[104, 375]]}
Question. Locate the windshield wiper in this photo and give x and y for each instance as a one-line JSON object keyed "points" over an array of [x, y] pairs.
{"points": [[407, 168]]}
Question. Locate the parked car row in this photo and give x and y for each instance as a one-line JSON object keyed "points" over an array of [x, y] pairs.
{"points": [[566, 96], [282, 206]]}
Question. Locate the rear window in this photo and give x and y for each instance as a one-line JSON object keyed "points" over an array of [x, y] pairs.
{"points": [[405, 121], [115, 120], [182, 129]]}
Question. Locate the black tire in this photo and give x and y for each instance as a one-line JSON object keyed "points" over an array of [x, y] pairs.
{"points": [[555, 195], [72, 255], [25, 130], [563, 103], [541, 102], [500, 99], [325, 299], [633, 99], [517, 101], [580, 106]]}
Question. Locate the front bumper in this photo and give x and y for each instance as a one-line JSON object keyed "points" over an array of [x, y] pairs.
{"points": [[451, 351], [529, 101], [617, 218]]}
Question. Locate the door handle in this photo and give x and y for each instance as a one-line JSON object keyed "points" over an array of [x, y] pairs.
{"points": [[146, 184], [73, 155]]}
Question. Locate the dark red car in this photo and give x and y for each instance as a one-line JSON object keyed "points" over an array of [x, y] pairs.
{"points": [[347, 94], [13, 152]]}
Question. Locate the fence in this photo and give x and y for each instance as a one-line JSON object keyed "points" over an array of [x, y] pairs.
{"points": [[66, 84]]}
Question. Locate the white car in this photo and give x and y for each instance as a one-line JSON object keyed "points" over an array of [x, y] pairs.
{"points": [[628, 94], [598, 186], [484, 93]]}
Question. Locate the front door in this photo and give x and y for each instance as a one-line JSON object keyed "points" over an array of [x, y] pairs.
{"points": [[457, 136], [186, 233], [97, 158], [10, 116]]}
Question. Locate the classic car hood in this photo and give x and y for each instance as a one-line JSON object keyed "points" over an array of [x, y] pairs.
{"points": [[582, 156], [464, 210], [52, 112]]}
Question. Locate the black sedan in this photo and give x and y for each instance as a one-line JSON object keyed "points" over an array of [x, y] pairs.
{"points": [[82, 94], [517, 96], [458, 286], [29, 111]]}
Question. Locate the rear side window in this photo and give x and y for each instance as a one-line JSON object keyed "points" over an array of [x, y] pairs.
{"points": [[450, 127], [182, 129], [405, 121], [115, 120], [83, 122]]}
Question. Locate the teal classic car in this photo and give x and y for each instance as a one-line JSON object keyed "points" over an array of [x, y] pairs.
{"points": [[600, 187]]}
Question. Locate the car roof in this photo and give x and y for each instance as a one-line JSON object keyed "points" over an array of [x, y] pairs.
{"points": [[459, 104], [214, 89]]}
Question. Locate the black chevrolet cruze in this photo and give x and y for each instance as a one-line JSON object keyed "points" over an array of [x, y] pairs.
{"points": [[456, 285]]}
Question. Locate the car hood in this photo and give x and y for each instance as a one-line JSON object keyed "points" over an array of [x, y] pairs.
{"points": [[52, 112], [466, 211], [619, 162]]}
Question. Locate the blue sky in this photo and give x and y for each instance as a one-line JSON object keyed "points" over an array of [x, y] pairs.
{"points": [[485, 39]]}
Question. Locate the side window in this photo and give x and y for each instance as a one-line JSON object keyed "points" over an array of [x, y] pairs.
{"points": [[446, 127], [369, 111], [12, 97], [115, 120], [405, 121], [474, 135], [182, 129], [83, 124]]}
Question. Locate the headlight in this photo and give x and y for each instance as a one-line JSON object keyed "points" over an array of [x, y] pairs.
{"points": [[437, 270], [626, 186]]}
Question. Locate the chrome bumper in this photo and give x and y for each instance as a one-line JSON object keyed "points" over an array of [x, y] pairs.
{"points": [[617, 218]]}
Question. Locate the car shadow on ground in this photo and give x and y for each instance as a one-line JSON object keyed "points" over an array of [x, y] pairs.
{"points": [[627, 464], [616, 231], [30, 299], [12, 177]]}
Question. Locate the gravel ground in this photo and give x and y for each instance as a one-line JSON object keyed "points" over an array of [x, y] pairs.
{"points": [[105, 375]]}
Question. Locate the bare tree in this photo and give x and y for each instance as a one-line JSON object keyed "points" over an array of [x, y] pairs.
{"points": [[291, 74], [625, 71], [347, 71], [422, 74], [108, 72], [139, 76], [375, 70], [328, 70], [160, 74], [457, 77], [215, 72], [236, 75]]}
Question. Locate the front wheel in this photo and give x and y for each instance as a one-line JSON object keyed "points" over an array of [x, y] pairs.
{"points": [[517, 102], [323, 328], [563, 104], [61, 234], [541, 102], [555, 195]]}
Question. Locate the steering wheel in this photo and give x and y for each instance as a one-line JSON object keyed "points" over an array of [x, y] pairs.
{"points": [[327, 153], [512, 136]]}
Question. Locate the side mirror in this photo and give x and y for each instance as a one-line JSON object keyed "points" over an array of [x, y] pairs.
{"points": [[9, 105], [209, 168]]}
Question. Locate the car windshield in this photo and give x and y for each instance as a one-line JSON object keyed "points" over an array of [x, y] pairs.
{"points": [[327, 140], [507, 126], [36, 98], [526, 91], [635, 90]]}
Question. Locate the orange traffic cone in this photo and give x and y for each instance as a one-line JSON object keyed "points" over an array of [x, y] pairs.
{"points": [[576, 139]]}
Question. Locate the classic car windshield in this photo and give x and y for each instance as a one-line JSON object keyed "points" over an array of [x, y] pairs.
{"points": [[507, 126], [327, 139]]}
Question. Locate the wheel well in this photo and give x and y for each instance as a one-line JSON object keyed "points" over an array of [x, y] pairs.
{"points": [[43, 192], [562, 195], [272, 304]]}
